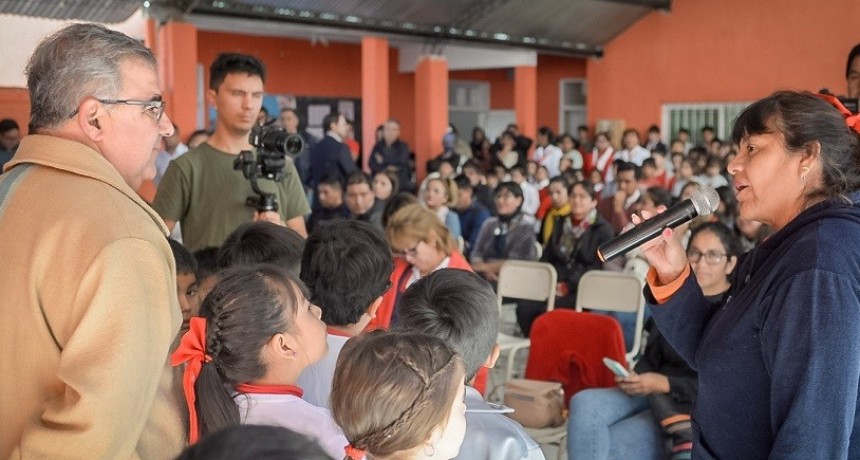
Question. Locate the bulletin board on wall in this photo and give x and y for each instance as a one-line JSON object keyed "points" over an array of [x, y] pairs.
{"points": [[312, 110]]}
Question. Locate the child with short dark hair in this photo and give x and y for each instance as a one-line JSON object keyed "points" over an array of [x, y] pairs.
{"points": [[399, 395], [346, 266], [243, 357], [262, 242], [255, 442], [186, 283], [330, 195], [207, 270], [460, 308]]}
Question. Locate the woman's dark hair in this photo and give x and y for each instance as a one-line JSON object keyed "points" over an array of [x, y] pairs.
{"points": [[587, 185], [803, 119], [392, 177], [855, 52], [564, 136], [400, 200], [248, 306], [512, 187], [659, 196], [560, 179], [254, 442], [725, 234]]}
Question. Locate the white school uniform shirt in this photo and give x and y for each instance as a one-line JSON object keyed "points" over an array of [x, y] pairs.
{"points": [[296, 414], [531, 199], [316, 379], [549, 156], [636, 155]]}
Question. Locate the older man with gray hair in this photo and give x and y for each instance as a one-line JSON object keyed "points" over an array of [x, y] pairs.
{"points": [[89, 302]]}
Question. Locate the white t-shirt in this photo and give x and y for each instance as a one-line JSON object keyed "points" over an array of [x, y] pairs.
{"points": [[296, 414], [316, 379]]}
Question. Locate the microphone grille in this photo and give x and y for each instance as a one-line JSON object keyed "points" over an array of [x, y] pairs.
{"points": [[705, 201]]}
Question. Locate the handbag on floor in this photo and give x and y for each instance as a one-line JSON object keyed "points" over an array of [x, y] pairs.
{"points": [[536, 403]]}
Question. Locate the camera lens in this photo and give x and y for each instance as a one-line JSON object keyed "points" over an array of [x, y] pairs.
{"points": [[282, 142], [293, 145]]}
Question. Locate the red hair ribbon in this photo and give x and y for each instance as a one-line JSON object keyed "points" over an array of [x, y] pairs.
{"points": [[192, 350], [354, 453], [853, 121]]}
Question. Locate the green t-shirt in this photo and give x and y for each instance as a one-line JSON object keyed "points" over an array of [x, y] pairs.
{"points": [[201, 190]]}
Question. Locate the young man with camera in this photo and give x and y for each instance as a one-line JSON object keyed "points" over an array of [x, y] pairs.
{"points": [[202, 190]]}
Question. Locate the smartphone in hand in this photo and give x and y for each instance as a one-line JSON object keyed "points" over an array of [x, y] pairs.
{"points": [[616, 368]]}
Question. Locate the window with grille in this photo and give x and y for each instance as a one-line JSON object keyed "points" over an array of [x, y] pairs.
{"points": [[572, 103], [694, 117]]}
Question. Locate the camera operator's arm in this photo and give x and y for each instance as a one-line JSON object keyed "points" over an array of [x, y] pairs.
{"points": [[296, 223]]}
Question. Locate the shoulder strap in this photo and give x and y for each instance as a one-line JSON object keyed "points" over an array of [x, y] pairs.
{"points": [[8, 183]]}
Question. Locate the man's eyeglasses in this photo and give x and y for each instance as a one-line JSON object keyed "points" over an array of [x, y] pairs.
{"points": [[711, 257], [412, 252], [154, 107]]}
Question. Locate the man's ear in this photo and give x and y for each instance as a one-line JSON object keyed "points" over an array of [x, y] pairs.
{"points": [[210, 97], [494, 356], [374, 307], [90, 119]]}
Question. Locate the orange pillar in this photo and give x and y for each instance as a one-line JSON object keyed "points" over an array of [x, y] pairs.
{"points": [[525, 99], [175, 47], [374, 91], [431, 109], [176, 52]]}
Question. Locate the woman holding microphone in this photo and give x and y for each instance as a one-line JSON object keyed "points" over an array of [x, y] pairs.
{"points": [[779, 363]]}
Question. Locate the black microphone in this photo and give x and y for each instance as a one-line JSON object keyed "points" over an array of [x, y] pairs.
{"points": [[704, 202]]}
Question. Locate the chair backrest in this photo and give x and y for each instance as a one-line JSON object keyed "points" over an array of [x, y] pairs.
{"points": [[520, 279], [608, 291], [602, 290], [569, 346]]}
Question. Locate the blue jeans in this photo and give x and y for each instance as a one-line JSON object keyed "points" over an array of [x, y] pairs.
{"points": [[606, 423]]}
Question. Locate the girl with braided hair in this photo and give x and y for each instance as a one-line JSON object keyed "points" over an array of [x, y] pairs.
{"points": [[258, 331], [399, 395]]}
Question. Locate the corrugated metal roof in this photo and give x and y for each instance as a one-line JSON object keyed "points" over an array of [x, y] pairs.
{"points": [[104, 11], [566, 26]]}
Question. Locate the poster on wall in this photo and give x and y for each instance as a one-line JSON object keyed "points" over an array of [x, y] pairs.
{"points": [[311, 110]]}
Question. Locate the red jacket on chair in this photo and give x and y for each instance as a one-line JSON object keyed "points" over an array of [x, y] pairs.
{"points": [[569, 346]]}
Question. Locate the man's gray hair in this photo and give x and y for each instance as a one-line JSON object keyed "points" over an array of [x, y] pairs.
{"points": [[78, 61]]}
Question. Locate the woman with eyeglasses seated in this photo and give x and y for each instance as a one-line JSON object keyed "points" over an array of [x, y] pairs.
{"points": [[421, 244], [571, 249], [653, 404], [509, 235]]}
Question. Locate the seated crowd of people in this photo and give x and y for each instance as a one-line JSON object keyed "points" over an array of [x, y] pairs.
{"points": [[356, 312], [421, 263]]}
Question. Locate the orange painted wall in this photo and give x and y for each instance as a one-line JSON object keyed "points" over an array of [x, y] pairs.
{"points": [[401, 98], [293, 66], [501, 85], [721, 50], [550, 70], [15, 104]]}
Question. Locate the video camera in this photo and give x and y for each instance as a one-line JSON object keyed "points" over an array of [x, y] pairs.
{"points": [[273, 144]]}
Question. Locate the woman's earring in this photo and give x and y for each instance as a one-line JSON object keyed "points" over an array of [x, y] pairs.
{"points": [[803, 173], [432, 449]]}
